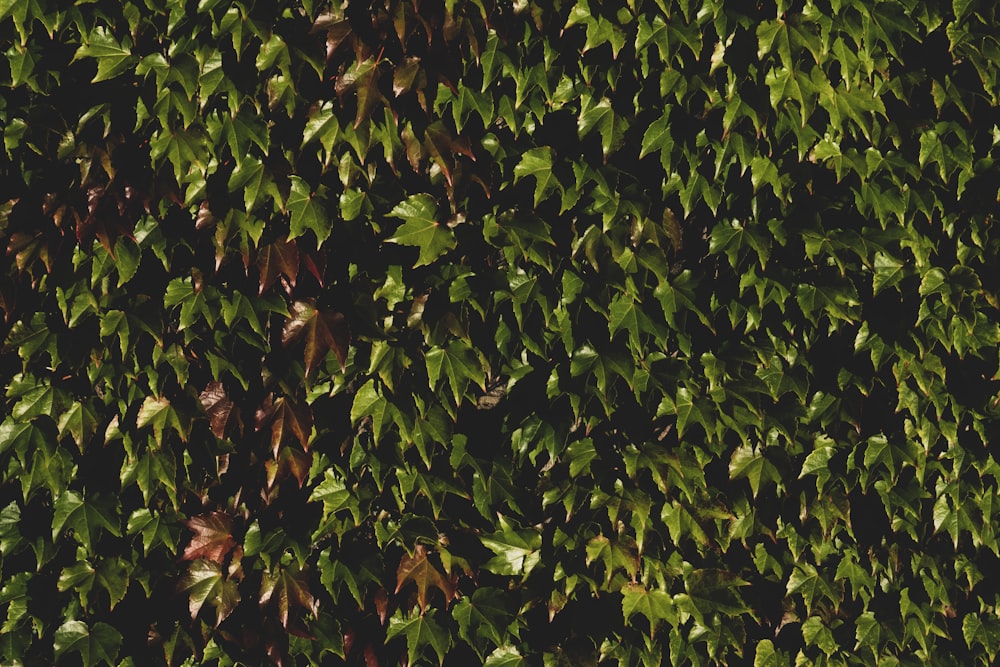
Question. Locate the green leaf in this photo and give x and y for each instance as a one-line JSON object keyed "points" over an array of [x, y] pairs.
{"points": [[459, 364], [483, 618], [205, 583], [505, 656], [767, 656], [807, 582], [611, 126], [160, 414], [751, 464], [517, 551], [80, 421], [112, 58], [155, 530], [537, 163], [420, 631], [87, 519], [655, 605], [97, 644], [888, 272], [659, 138], [421, 228], [306, 211]]}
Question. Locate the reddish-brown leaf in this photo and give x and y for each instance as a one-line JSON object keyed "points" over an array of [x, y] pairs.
{"points": [[424, 575], [280, 258], [321, 329], [220, 409], [212, 539], [287, 419], [291, 461], [287, 590]]}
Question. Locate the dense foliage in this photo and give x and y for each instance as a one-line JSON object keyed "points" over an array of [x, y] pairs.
{"points": [[466, 332]]}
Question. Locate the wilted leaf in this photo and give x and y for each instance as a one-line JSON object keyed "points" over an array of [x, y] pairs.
{"points": [[280, 258], [286, 589], [220, 409]]}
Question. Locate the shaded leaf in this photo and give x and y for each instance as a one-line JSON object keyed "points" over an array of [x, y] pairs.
{"points": [[419, 570], [321, 329], [212, 538]]}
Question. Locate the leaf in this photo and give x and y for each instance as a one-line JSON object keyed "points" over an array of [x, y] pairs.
{"points": [[458, 363], [655, 605], [280, 258], [505, 656], [483, 618], [807, 582], [112, 58], [287, 589], [888, 272], [160, 414], [85, 518], [212, 537], [610, 125], [421, 228], [419, 570], [154, 528], [80, 422], [221, 411], [204, 582], [420, 631], [286, 418], [751, 464], [517, 551], [321, 329], [626, 313], [97, 644], [307, 212], [537, 163]]}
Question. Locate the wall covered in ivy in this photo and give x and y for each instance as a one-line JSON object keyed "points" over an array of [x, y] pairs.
{"points": [[469, 332]]}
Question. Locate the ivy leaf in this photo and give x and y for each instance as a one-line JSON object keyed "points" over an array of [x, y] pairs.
{"points": [[204, 582], [419, 570], [751, 464], [369, 403], [280, 258], [537, 163], [888, 272], [458, 363], [221, 411], [658, 138], [517, 551], [306, 212], [655, 605], [767, 656], [160, 414], [85, 518], [112, 58], [80, 422], [155, 530], [212, 538], [287, 589], [321, 329], [421, 228], [611, 126], [420, 631], [807, 582], [96, 645], [482, 618], [505, 656]]}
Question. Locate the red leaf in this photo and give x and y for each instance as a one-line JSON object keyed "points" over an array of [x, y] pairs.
{"points": [[323, 330], [212, 539], [221, 411], [280, 258], [420, 571]]}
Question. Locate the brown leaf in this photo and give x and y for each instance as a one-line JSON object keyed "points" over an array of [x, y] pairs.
{"points": [[212, 539], [323, 330], [220, 410], [280, 258], [287, 418], [405, 75], [291, 461], [287, 589], [420, 571]]}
